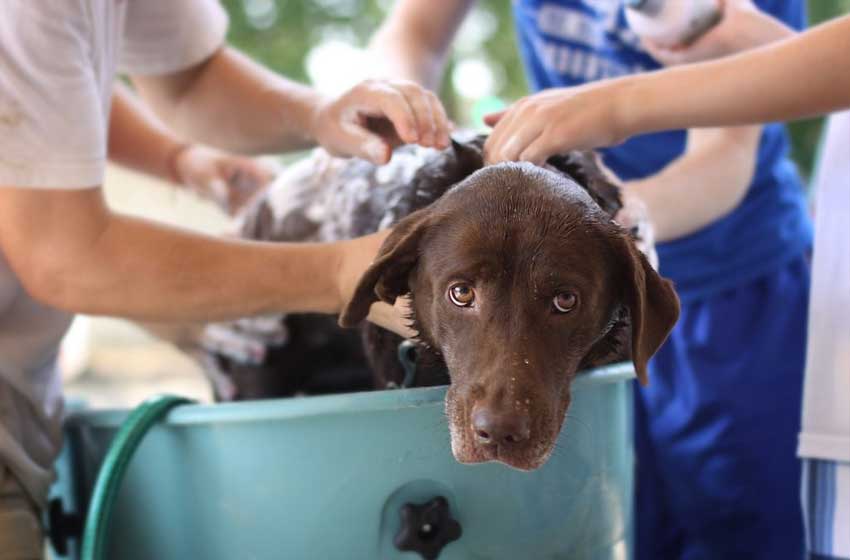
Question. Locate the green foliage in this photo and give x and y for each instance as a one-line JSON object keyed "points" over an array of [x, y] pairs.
{"points": [[280, 33]]}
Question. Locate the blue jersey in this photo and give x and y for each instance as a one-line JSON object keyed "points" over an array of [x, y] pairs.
{"points": [[571, 42]]}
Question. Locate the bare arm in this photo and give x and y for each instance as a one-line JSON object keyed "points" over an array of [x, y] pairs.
{"points": [[800, 76], [703, 185], [788, 79], [414, 40], [70, 252], [233, 103], [805, 75], [256, 111], [137, 139]]}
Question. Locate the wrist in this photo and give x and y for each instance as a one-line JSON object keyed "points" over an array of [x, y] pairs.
{"points": [[641, 190], [173, 167], [342, 291], [351, 260], [294, 116], [314, 109]]}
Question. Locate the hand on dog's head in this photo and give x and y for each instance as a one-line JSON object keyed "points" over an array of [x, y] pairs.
{"points": [[517, 275]]}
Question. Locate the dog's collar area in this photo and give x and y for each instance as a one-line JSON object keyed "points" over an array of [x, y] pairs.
{"points": [[407, 357]]}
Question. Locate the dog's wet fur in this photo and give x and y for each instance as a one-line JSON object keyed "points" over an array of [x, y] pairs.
{"points": [[548, 284]]}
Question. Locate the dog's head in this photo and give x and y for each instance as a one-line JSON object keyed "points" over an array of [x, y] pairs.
{"points": [[516, 276]]}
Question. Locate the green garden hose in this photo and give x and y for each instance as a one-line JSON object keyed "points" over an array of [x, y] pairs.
{"points": [[111, 473]]}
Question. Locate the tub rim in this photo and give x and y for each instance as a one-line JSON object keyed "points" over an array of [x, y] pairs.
{"points": [[320, 405]]}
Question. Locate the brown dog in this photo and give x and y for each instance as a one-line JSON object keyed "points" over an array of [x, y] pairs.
{"points": [[518, 276], [518, 280]]}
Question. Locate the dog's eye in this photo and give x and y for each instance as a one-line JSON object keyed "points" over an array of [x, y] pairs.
{"points": [[564, 302], [461, 294]]}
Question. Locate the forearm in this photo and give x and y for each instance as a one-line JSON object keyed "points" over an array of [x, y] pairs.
{"points": [[707, 182], [147, 271], [802, 76], [137, 138], [405, 59], [257, 112], [79, 256], [413, 43]]}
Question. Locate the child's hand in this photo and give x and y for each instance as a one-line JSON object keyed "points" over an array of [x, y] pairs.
{"points": [[557, 120]]}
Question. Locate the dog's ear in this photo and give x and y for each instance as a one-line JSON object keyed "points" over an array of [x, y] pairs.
{"points": [[386, 278], [584, 168], [652, 303], [470, 154]]}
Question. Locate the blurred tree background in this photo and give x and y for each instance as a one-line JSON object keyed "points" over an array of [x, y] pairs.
{"points": [[323, 42]]}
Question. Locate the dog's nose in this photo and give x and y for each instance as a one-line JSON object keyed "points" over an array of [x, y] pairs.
{"points": [[499, 428]]}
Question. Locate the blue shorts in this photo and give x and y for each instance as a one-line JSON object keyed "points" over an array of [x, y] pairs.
{"points": [[716, 429]]}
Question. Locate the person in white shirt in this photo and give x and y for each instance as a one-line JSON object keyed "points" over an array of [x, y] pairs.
{"points": [[824, 443], [62, 251], [794, 77]]}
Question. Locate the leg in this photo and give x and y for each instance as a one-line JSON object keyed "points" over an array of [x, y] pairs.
{"points": [[723, 412], [657, 535], [20, 530], [826, 506]]}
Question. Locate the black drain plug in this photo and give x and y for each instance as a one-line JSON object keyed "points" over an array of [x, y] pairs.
{"points": [[427, 528]]}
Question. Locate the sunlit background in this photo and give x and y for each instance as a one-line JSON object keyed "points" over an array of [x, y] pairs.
{"points": [[112, 363]]}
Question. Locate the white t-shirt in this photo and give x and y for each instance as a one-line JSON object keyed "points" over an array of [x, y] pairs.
{"points": [[58, 62], [826, 401]]}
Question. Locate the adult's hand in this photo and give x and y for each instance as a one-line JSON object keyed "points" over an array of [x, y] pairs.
{"points": [[229, 181], [355, 256], [375, 116]]}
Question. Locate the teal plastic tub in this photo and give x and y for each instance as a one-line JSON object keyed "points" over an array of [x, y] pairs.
{"points": [[327, 478]]}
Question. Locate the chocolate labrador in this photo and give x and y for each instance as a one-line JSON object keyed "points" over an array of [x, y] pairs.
{"points": [[518, 279]]}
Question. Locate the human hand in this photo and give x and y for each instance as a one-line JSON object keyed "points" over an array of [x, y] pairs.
{"points": [[634, 217], [742, 26], [355, 256], [557, 120], [229, 181], [375, 116]]}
